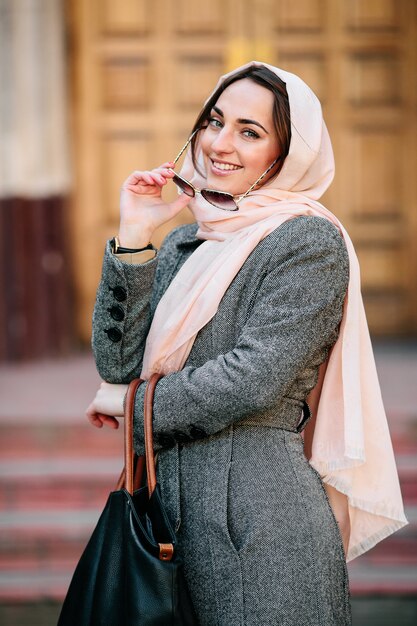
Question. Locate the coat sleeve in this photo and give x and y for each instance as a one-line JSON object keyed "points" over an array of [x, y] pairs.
{"points": [[296, 312], [126, 298], [122, 317]]}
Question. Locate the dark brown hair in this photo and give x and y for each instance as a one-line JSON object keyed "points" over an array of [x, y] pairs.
{"points": [[280, 112]]}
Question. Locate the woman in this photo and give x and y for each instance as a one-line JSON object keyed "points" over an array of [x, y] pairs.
{"points": [[239, 311]]}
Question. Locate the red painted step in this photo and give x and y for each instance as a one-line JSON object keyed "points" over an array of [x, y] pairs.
{"points": [[57, 483], [56, 472], [39, 440]]}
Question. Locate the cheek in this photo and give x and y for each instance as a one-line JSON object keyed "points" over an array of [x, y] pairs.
{"points": [[257, 159], [266, 156], [205, 143]]}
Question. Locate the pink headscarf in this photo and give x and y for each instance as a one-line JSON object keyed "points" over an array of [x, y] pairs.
{"points": [[351, 446]]}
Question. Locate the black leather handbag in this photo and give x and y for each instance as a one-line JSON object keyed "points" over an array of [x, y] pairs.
{"points": [[129, 573]]}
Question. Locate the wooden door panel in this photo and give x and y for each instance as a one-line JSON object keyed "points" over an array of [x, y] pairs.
{"points": [[311, 66], [373, 15], [197, 18], [373, 175], [124, 17], [301, 15], [195, 74], [142, 70], [372, 181], [121, 153], [125, 83], [369, 78]]}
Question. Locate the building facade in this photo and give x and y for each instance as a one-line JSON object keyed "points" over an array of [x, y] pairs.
{"points": [[138, 72]]}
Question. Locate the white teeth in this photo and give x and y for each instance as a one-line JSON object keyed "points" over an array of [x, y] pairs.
{"points": [[225, 166]]}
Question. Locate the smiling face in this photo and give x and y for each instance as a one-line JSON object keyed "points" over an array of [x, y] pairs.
{"points": [[240, 142]]}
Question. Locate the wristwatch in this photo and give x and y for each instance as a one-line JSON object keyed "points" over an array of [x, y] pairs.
{"points": [[118, 249]]}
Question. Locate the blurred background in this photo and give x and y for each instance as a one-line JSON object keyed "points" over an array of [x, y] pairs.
{"points": [[92, 89]]}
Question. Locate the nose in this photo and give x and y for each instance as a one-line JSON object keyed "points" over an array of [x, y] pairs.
{"points": [[223, 142]]}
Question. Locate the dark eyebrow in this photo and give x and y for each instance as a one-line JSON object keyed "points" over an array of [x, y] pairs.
{"points": [[241, 120]]}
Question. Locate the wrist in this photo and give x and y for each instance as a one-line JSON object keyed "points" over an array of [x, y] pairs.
{"points": [[124, 403], [119, 249], [135, 238]]}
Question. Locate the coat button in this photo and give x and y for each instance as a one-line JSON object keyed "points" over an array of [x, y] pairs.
{"points": [[197, 433], [117, 312], [181, 437], [166, 441], [114, 334], [119, 293]]}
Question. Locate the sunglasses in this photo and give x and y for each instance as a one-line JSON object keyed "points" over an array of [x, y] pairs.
{"points": [[220, 199]]}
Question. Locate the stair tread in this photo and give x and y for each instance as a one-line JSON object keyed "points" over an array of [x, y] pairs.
{"points": [[46, 442], [53, 582], [14, 469], [390, 578], [47, 519], [25, 586]]}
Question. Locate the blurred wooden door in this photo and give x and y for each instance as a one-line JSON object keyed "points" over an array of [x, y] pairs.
{"points": [[142, 69]]}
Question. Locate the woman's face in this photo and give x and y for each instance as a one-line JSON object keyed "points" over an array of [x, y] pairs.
{"points": [[240, 142]]}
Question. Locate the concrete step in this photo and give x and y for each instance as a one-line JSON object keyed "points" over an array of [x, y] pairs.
{"points": [[50, 581], [46, 439], [25, 586], [48, 510], [390, 580], [58, 483], [44, 540], [56, 472], [43, 545], [49, 507], [407, 471], [36, 612], [39, 549], [366, 611]]}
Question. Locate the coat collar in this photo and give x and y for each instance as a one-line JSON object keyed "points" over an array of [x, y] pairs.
{"points": [[189, 240]]}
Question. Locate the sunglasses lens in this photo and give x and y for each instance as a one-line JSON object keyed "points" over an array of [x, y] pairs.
{"points": [[183, 185], [220, 199]]}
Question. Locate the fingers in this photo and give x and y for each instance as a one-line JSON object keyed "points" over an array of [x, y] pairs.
{"points": [[153, 178], [99, 419], [157, 176], [109, 420]]}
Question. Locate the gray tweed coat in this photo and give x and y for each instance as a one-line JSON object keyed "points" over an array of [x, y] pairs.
{"points": [[260, 543]]}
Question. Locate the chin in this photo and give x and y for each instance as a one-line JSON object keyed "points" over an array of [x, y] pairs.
{"points": [[225, 184]]}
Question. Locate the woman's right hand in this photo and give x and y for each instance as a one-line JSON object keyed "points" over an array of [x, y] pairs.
{"points": [[142, 208]]}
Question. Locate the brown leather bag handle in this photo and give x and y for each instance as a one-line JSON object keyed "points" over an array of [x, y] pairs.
{"points": [[130, 477], [148, 415]]}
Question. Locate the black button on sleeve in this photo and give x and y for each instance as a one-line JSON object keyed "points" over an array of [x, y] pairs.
{"points": [[119, 293], [114, 334], [117, 312]]}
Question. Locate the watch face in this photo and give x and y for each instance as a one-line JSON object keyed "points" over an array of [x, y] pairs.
{"points": [[115, 244]]}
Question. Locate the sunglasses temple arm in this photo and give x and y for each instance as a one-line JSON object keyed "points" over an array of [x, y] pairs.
{"points": [[259, 179], [181, 151], [185, 146]]}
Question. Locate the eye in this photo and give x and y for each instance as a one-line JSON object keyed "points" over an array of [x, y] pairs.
{"points": [[213, 121], [251, 134]]}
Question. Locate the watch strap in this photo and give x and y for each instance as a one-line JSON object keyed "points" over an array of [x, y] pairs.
{"points": [[118, 249]]}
